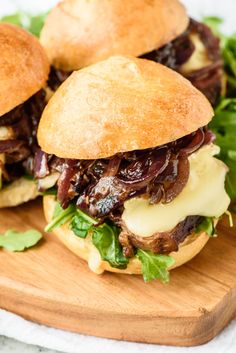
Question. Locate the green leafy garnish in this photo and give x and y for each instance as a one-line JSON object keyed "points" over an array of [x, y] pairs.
{"points": [[27, 21], [224, 122], [105, 238], [81, 224], [155, 266], [207, 225], [50, 191], [28, 177], [224, 127], [60, 217], [19, 241]]}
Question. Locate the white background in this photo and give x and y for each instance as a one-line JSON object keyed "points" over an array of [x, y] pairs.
{"points": [[20, 329]]}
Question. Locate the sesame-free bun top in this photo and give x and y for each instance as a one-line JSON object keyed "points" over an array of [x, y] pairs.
{"points": [[78, 33], [24, 66], [118, 105]]}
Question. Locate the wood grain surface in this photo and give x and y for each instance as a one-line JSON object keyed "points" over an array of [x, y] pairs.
{"points": [[50, 285]]}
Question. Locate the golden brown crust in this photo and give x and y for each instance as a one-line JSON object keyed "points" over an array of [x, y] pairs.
{"points": [[87, 251], [19, 191], [78, 33], [24, 66], [120, 104]]}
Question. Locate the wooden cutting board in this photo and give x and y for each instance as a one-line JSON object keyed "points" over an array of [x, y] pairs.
{"points": [[50, 285]]}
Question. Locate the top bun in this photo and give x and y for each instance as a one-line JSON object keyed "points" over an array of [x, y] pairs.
{"points": [[117, 105], [24, 66], [78, 33]]}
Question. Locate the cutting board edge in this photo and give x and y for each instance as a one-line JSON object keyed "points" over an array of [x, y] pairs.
{"points": [[203, 328]]}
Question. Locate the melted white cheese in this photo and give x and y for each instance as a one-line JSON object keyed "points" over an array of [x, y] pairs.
{"points": [[199, 58], [6, 133], [203, 195], [48, 182]]}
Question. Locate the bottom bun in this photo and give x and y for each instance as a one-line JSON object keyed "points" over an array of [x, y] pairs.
{"points": [[85, 249], [18, 192]]}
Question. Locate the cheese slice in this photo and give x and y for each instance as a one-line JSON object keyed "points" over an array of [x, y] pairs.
{"points": [[198, 59], [203, 195], [6, 133]]}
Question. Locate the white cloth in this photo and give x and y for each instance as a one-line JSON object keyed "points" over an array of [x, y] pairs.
{"points": [[15, 327]]}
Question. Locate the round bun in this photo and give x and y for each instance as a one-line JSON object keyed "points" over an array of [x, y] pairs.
{"points": [[88, 252], [18, 192], [78, 33], [118, 105], [24, 66]]}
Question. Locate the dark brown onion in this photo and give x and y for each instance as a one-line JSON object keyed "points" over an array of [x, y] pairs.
{"points": [[158, 161], [18, 155], [41, 168], [57, 77], [209, 137], [174, 54], [69, 170], [19, 151], [181, 180], [9, 146], [113, 166], [196, 142], [159, 174], [13, 116]]}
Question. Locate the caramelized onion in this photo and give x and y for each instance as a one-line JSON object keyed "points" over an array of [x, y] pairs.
{"points": [[176, 53], [41, 168], [196, 142], [181, 180], [64, 181], [100, 187]]}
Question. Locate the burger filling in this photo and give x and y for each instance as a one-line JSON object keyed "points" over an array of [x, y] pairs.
{"points": [[139, 201], [18, 142], [195, 54]]}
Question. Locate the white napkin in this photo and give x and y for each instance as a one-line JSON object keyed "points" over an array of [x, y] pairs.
{"points": [[15, 327]]}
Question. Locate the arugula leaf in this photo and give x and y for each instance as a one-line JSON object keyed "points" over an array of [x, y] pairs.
{"points": [[81, 224], [27, 21], [19, 241], [228, 49], [60, 217], [37, 23], [207, 225], [105, 238], [50, 191], [19, 19], [224, 127], [224, 122], [155, 266]]}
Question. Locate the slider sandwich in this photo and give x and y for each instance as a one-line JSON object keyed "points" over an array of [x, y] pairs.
{"points": [[138, 189], [78, 33], [24, 71]]}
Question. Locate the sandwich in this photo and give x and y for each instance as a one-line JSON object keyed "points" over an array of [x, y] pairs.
{"points": [[24, 72], [138, 189], [78, 33]]}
